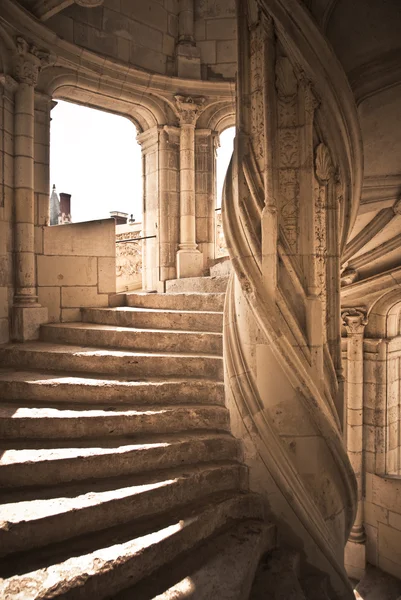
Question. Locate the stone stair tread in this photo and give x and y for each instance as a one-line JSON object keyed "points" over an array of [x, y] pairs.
{"points": [[102, 327], [99, 566], [166, 311], [10, 455], [221, 568], [97, 379], [43, 347], [76, 411], [22, 506], [43, 422]]}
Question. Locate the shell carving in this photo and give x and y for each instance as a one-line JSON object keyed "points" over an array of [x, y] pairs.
{"points": [[324, 165], [286, 82]]}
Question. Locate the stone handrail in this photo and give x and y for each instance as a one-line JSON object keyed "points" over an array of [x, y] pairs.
{"points": [[281, 335]]}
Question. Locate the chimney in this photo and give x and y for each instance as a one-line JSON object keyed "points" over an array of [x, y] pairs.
{"points": [[119, 217], [65, 208]]}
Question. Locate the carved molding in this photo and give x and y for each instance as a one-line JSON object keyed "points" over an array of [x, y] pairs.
{"points": [[354, 320], [377, 224], [189, 108], [45, 9], [323, 164]]}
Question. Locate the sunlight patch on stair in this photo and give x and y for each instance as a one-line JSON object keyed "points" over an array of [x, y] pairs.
{"points": [[64, 576], [38, 454], [37, 509], [183, 589], [39, 413]]}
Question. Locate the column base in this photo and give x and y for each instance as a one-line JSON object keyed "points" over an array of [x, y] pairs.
{"points": [[26, 322], [355, 560], [189, 263]]}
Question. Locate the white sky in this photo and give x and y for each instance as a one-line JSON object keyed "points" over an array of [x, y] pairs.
{"points": [[94, 157]]}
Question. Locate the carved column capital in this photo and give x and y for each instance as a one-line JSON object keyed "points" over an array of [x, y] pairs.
{"points": [[189, 108], [323, 164], [29, 61], [354, 320]]}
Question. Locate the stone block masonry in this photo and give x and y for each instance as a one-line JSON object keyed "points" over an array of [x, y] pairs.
{"points": [[77, 267]]}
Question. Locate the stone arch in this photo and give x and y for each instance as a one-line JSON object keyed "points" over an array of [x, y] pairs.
{"points": [[384, 316], [384, 325]]}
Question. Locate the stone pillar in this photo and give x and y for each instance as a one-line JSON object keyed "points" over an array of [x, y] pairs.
{"points": [[189, 259], [169, 216], [28, 315], [149, 141], [187, 54], [205, 192], [354, 320]]}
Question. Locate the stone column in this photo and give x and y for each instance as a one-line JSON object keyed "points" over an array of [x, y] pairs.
{"points": [[205, 194], [189, 259], [187, 54], [28, 315], [354, 320]]}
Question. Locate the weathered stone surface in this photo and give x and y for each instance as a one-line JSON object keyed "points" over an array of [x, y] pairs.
{"points": [[89, 334]]}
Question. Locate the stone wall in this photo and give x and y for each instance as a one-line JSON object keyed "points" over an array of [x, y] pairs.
{"points": [[76, 267], [383, 522], [6, 198], [144, 34], [216, 37]]}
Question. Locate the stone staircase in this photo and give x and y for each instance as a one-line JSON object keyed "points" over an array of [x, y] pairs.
{"points": [[119, 475]]}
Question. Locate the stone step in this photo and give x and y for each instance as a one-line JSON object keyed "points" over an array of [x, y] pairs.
{"points": [[42, 355], [222, 568], [278, 571], [41, 465], [221, 268], [58, 387], [198, 285], [151, 318], [73, 422], [59, 513], [99, 566], [213, 302], [109, 336]]}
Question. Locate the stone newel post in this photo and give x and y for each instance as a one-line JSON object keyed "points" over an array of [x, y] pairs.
{"points": [[189, 259], [354, 320], [27, 313]]}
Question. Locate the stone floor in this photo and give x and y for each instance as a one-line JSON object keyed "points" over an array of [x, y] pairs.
{"points": [[377, 585]]}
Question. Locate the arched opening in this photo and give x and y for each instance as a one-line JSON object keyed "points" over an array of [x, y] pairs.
{"points": [[223, 157], [96, 173]]}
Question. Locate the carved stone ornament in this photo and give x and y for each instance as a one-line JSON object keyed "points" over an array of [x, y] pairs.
{"points": [[286, 82], [354, 320], [28, 62], [323, 164], [189, 108]]}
